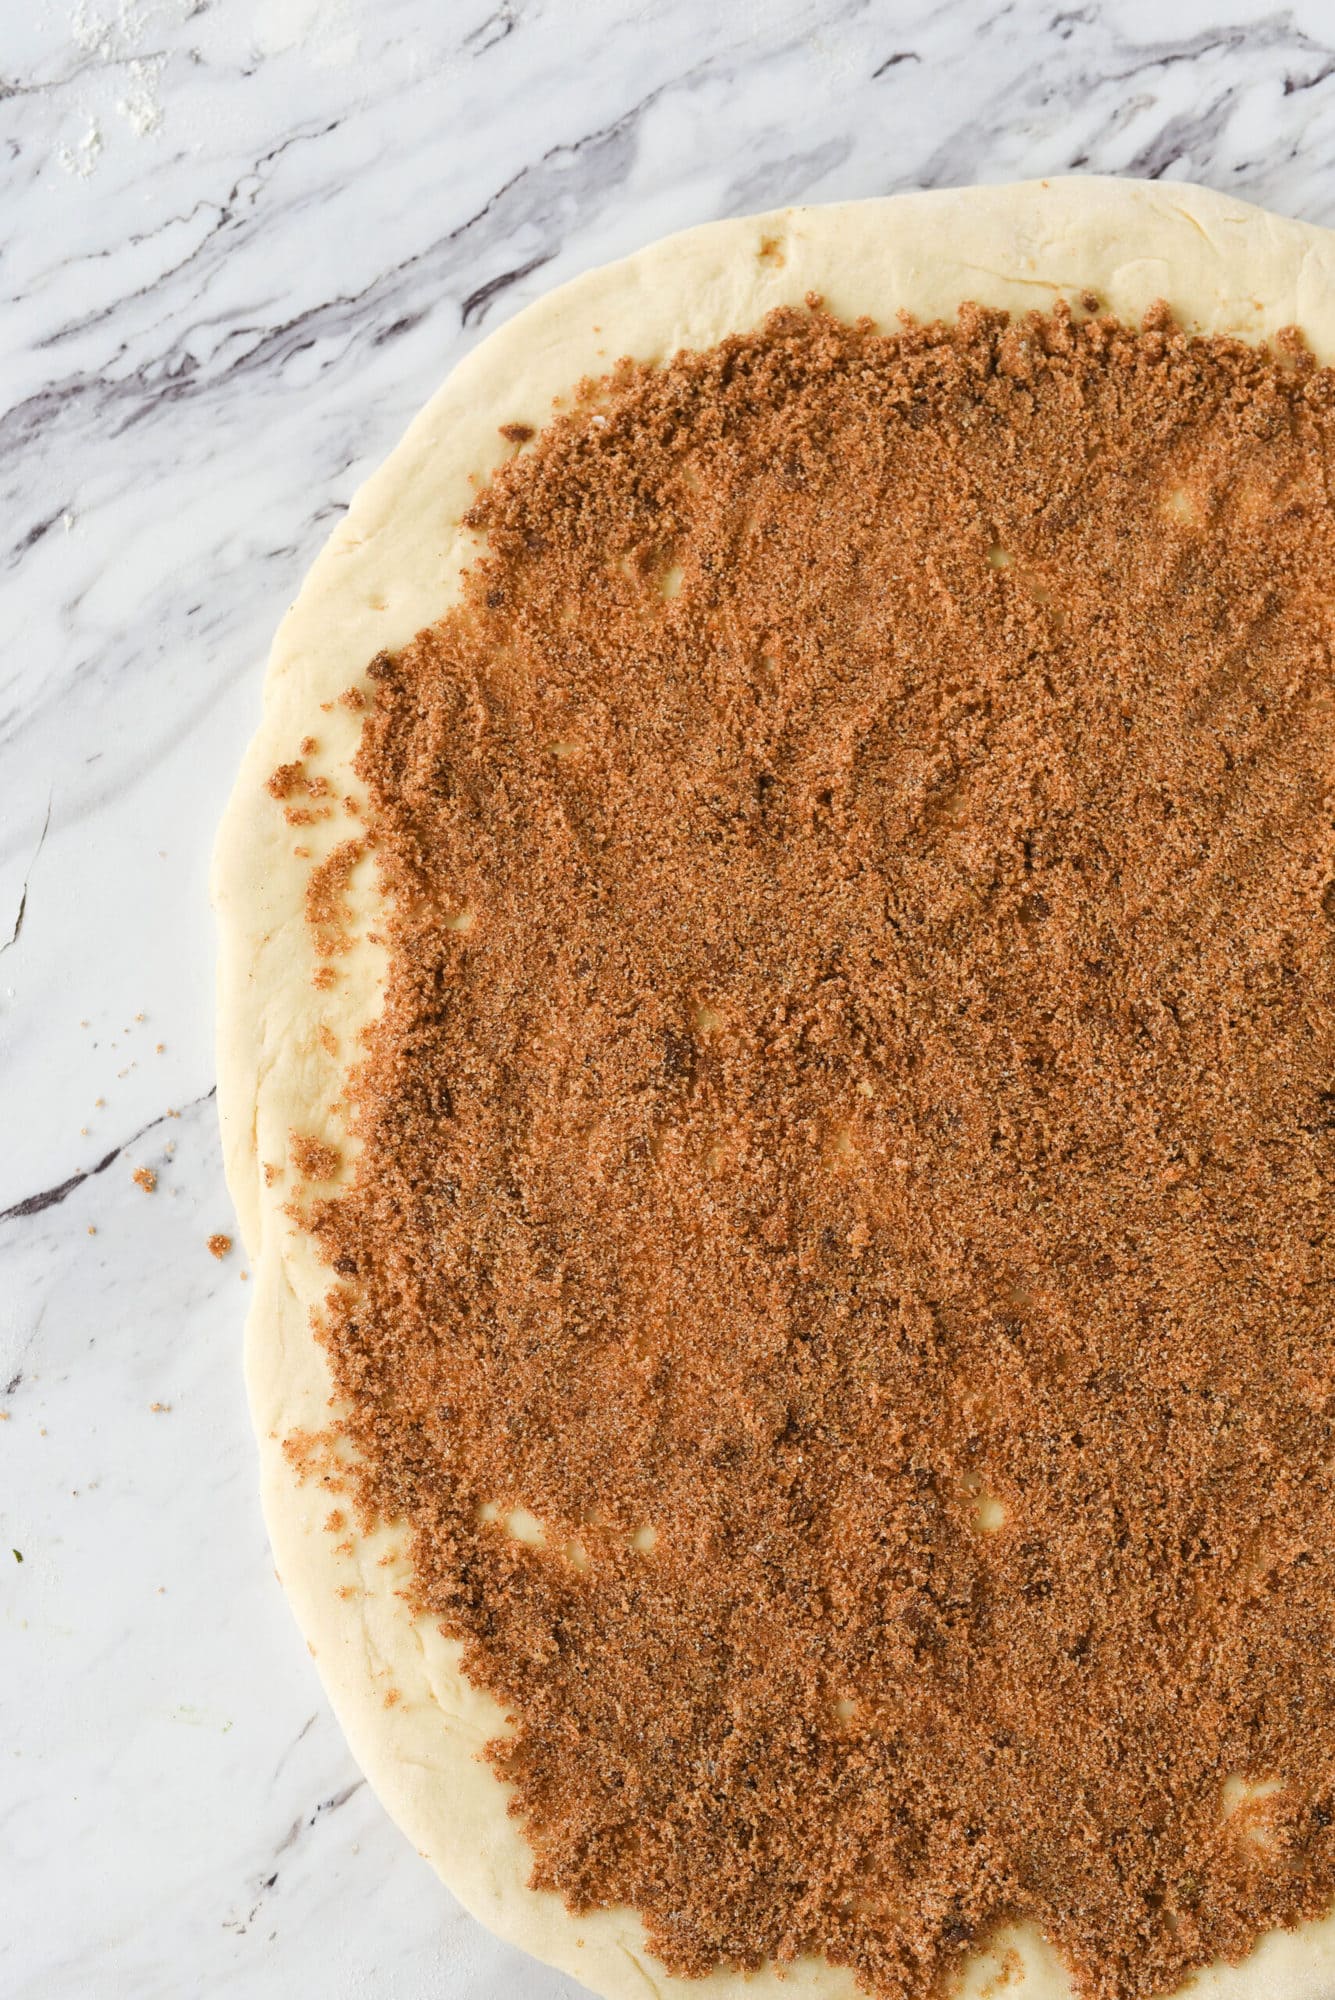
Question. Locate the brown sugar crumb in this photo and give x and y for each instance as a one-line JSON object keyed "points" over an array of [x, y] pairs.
{"points": [[328, 1039], [336, 1521], [219, 1245], [327, 909], [285, 780], [299, 816], [309, 746], [301, 853], [393, 1696], [161, 1409], [318, 788], [517, 433], [315, 1455], [352, 698], [324, 976], [953, 1460], [313, 1159], [145, 1178], [92, 1229], [271, 1173]]}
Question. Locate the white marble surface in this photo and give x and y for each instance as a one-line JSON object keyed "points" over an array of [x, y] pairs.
{"points": [[238, 247]]}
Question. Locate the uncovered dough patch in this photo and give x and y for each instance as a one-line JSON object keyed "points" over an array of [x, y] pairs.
{"points": [[833, 1271]]}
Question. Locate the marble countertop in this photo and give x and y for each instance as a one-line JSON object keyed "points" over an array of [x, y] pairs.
{"points": [[240, 245]]}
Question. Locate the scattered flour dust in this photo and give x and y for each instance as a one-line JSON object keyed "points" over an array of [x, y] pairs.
{"points": [[117, 39], [141, 107], [81, 159], [121, 42]]}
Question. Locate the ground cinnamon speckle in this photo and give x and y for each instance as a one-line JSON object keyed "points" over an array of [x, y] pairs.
{"points": [[145, 1178], [863, 1177]]}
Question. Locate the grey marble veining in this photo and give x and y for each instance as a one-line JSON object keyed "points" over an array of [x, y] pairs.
{"points": [[239, 246]]}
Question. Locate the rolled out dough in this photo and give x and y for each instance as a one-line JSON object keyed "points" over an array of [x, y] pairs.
{"points": [[390, 568]]}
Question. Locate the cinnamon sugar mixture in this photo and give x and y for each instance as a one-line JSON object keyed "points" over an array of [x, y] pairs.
{"points": [[836, 1280]]}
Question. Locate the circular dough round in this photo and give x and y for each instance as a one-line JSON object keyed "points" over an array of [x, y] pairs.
{"points": [[392, 567]]}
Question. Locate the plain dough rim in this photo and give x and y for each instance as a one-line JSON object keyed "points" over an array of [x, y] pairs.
{"points": [[1224, 267]]}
